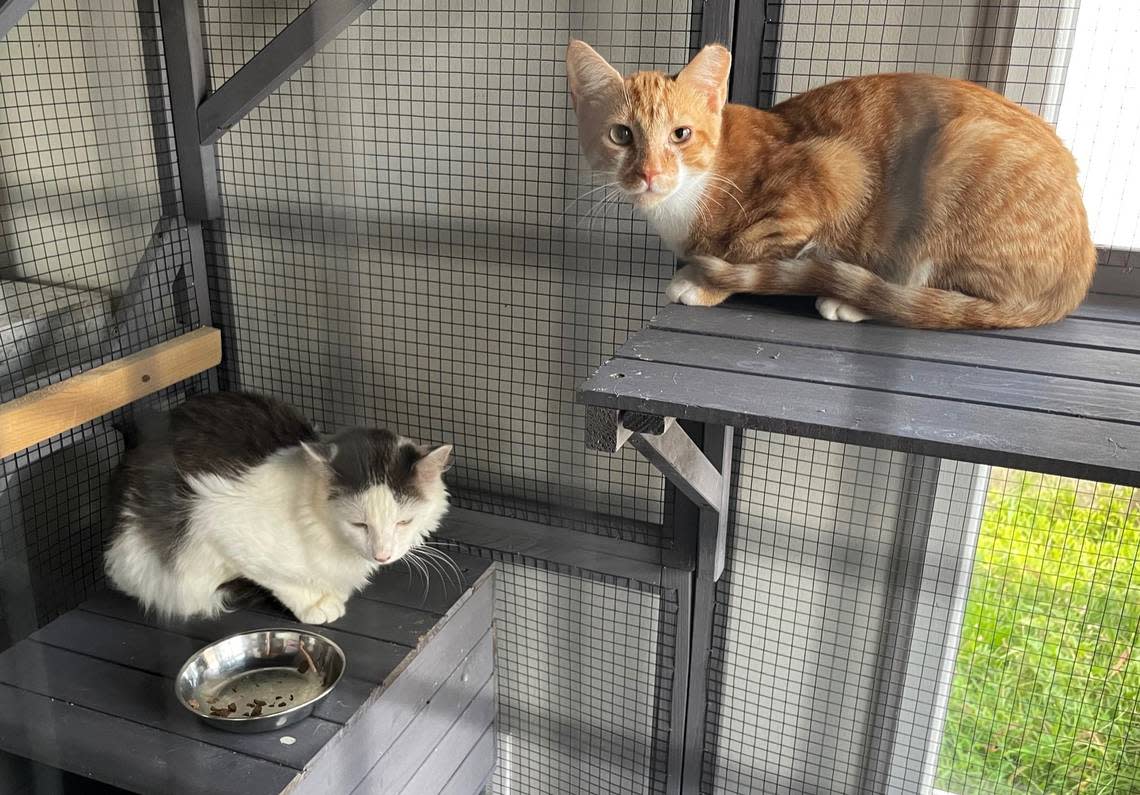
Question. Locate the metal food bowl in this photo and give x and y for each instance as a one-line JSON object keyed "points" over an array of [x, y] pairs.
{"points": [[259, 681]]}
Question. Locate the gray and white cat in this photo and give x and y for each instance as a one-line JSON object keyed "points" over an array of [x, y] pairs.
{"points": [[231, 485]]}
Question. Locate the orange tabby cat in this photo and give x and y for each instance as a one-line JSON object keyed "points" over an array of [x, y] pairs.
{"points": [[919, 200]]}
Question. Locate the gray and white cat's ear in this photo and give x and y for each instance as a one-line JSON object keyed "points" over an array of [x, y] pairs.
{"points": [[321, 452], [434, 461], [589, 75], [707, 74]]}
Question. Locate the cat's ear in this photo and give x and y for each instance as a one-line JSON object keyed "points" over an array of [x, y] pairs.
{"points": [[434, 461], [321, 452], [707, 74], [589, 75]]}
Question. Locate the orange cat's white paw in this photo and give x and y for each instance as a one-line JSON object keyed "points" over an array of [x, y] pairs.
{"points": [[689, 288], [834, 309]]}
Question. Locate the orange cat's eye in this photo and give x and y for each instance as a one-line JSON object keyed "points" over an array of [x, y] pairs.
{"points": [[621, 135], [682, 134]]}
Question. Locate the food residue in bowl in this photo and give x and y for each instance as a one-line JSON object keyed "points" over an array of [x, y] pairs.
{"points": [[265, 691]]}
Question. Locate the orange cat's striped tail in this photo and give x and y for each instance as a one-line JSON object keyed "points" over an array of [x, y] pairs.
{"points": [[903, 305]]}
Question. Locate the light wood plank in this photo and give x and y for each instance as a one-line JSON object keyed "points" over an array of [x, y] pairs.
{"points": [[40, 415]]}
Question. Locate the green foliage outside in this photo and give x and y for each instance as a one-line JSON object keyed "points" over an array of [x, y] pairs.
{"points": [[1046, 694]]}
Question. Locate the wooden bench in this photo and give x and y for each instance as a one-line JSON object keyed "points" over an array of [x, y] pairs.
{"points": [[1063, 399], [92, 694]]}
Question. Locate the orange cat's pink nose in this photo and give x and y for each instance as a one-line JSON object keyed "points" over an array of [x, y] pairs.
{"points": [[648, 175]]}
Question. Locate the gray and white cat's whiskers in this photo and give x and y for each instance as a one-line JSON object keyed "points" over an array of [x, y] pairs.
{"points": [[440, 562], [446, 562], [417, 568]]}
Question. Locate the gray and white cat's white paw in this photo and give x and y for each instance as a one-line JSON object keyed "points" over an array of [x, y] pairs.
{"points": [[834, 309], [325, 610]]}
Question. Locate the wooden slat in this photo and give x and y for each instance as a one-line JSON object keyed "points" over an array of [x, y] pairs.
{"points": [[452, 749], [348, 758], [475, 771], [1056, 444], [545, 542], [387, 622], [1075, 332], [368, 659], [766, 325], [161, 652], [40, 415], [1051, 394], [470, 683], [146, 699], [109, 749], [1115, 308]]}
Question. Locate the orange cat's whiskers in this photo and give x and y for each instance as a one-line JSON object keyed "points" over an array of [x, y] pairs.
{"points": [[597, 209], [727, 193], [724, 179], [588, 193]]}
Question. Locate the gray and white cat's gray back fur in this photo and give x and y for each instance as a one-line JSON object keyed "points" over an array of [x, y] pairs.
{"points": [[236, 486]]}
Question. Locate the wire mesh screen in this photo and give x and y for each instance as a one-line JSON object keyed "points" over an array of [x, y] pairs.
{"points": [[401, 243], [54, 515], [92, 260], [93, 266], [584, 673], [894, 623]]}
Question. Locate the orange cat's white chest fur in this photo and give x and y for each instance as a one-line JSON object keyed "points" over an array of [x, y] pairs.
{"points": [[673, 217]]}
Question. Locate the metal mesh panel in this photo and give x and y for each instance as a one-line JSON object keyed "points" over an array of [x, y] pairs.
{"points": [[54, 516], [400, 246], [235, 31], [1019, 49], [584, 677], [94, 265], [899, 623], [91, 261], [799, 614]]}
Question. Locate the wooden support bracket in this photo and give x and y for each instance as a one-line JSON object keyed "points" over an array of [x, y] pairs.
{"points": [[40, 415], [680, 460], [287, 52]]}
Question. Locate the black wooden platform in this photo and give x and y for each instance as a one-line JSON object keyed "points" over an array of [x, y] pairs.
{"points": [[91, 693], [1063, 399]]}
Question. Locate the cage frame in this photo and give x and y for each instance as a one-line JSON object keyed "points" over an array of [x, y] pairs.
{"points": [[695, 456]]}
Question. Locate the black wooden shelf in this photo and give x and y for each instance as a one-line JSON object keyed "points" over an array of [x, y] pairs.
{"points": [[1063, 399], [92, 694]]}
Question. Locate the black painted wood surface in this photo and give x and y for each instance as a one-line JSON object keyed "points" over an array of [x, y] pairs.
{"points": [[92, 693], [1063, 399]]}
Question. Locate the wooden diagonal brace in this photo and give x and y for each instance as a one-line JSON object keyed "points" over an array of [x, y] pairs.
{"points": [[287, 52], [685, 464]]}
